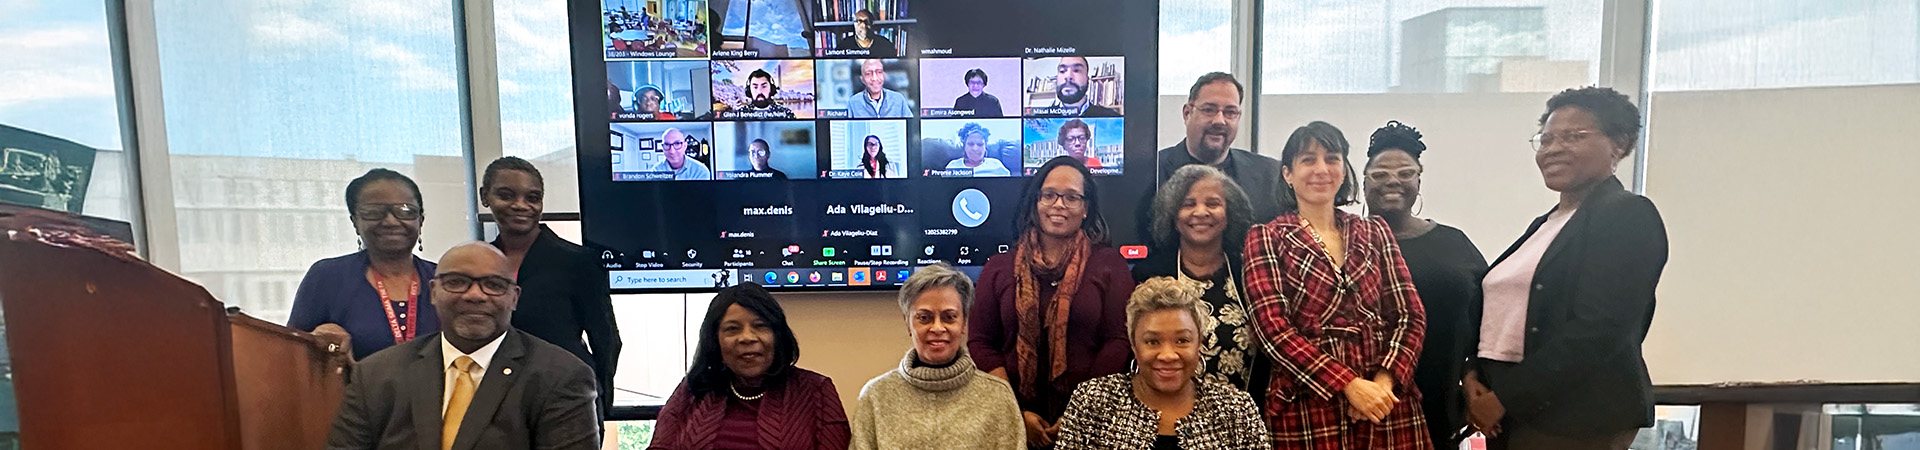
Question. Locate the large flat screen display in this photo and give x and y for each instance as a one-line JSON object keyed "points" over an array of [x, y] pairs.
{"points": [[838, 144]]}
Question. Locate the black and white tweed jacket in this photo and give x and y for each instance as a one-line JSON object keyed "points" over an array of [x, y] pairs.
{"points": [[1104, 414]]}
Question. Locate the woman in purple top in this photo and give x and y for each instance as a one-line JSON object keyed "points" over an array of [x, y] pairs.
{"points": [[376, 297], [1052, 313], [744, 391]]}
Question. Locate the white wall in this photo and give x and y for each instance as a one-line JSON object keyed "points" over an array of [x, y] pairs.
{"points": [[1790, 218]]}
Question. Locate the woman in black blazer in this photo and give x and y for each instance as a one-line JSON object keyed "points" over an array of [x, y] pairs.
{"points": [[563, 288], [1565, 309]]}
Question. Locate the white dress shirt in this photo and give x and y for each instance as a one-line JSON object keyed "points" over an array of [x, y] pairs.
{"points": [[482, 359]]}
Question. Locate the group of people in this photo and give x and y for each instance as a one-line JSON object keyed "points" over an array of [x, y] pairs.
{"points": [[1266, 317]]}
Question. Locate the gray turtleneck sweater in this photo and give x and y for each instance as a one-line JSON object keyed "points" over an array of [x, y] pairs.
{"points": [[951, 408]]}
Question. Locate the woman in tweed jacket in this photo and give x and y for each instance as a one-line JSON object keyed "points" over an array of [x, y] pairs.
{"points": [[1336, 309], [1163, 404]]}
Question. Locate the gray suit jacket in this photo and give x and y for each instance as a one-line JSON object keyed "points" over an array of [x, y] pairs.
{"points": [[534, 396]]}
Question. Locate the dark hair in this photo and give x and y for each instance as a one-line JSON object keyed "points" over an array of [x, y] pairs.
{"points": [[762, 73], [867, 160], [1216, 77], [763, 144], [1094, 225], [863, 14], [1075, 123], [381, 174], [709, 373], [971, 128], [1173, 194], [508, 163], [1395, 136], [1330, 139], [975, 73], [1618, 118]]}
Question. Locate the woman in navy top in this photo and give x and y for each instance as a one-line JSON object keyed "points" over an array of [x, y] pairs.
{"points": [[376, 297]]}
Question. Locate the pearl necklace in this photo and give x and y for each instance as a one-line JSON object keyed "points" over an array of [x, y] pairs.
{"points": [[736, 394]]}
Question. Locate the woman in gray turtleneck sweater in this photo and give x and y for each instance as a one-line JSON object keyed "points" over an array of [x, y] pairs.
{"points": [[937, 399]]}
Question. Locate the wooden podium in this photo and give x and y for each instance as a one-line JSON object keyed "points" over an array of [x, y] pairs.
{"points": [[112, 353]]}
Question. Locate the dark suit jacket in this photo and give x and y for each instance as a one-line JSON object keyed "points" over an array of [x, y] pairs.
{"points": [[1592, 301], [563, 293], [534, 396]]}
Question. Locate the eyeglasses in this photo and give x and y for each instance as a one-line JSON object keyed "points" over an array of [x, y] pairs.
{"points": [[1209, 110], [1078, 138], [1070, 200], [1543, 140], [674, 144], [373, 212], [460, 284], [1382, 175]]}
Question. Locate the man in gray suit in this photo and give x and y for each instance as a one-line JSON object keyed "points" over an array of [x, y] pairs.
{"points": [[479, 384]]}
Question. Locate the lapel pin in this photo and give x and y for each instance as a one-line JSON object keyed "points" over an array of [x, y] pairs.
{"points": [[506, 371]]}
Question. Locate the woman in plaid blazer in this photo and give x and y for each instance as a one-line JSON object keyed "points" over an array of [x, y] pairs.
{"points": [[1335, 309]]}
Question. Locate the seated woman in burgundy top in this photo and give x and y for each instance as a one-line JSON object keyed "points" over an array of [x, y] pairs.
{"points": [[1052, 313], [744, 391]]}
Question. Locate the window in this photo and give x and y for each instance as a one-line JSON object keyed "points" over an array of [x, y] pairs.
{"points": [[59, 82], [536, 94], [263, 94], [1739, 44], [1196, 37], [1435, 46]]}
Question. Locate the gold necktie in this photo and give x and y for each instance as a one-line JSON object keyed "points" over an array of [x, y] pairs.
{"points": [[463, 386]]}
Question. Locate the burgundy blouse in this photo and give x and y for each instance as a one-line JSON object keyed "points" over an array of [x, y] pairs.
{"points": [[1096, 326]]}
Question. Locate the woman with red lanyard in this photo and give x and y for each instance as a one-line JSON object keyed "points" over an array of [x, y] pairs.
{"points": [[376, 297]]}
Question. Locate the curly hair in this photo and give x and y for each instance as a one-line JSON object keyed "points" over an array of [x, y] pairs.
{"points": [[1161, 294], [933, 276], [1396, 136], [1173, 194], [1072, 124], [1618, 118], [971, 128]]}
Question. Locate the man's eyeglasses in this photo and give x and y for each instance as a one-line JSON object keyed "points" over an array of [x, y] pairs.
{"points": [[374, 212], [460, 284], [674, 144], [1382, 175], [1209, 110], [1051, 197]]}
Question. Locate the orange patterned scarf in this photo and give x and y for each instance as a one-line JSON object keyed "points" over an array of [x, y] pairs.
{"points": [[1027, 260]]}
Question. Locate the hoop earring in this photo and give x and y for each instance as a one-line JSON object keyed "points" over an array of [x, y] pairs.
{"points": [[1419, 204]]}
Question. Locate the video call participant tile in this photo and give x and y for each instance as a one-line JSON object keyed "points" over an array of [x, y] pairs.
{"points": [[864, 88], [1097, 142], [764, 150], [763, 89], [1075, 86], [978, 87], [676, 29], [860, 29], [866, 149], [658, 90], [971, 28], [662, 151], [778, 30], [971, 148]]}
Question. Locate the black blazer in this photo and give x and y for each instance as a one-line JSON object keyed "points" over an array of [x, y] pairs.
{"points": [[534, 396], [1592, 301], [563, 293]]}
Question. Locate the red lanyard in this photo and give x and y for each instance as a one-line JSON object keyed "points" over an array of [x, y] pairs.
{"points": [[400, 334]]}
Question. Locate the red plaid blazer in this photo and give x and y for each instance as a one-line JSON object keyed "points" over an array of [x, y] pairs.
{"points": [[1325, 327]]}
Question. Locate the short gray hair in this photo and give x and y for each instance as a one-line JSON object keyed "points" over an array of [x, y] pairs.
{"points": [[1161, 294], [1166, 207], [937, 275]]}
